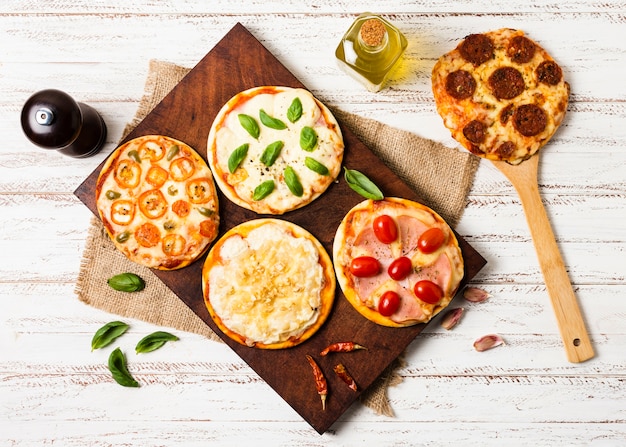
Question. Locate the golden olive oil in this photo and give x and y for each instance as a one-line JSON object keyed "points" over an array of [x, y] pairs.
{"points": [[370, 49]]}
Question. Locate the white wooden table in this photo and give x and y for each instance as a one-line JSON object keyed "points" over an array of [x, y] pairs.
{"points": [[54, 391]]}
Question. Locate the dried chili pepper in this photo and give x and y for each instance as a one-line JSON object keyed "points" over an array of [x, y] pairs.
{"points": [[320, 381], [345, 346], [344, 375]]}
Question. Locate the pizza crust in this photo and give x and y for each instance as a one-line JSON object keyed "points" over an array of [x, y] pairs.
{"points": [[355, 237], [268, 284], [227, 134], [158, 203], [500, 94]]}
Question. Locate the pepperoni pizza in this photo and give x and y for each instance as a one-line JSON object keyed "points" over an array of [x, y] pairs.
{"points": [[500, 94], [397, 261], [158, 203]]}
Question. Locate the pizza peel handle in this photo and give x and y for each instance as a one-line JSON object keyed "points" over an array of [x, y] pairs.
{"points": [[569, 318]]}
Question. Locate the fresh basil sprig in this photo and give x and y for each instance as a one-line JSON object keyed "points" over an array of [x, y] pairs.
{"points": [[263, 190], [250, 124], [315, 166], [271, 153], [119, 371], [308, 138], [362, 185], [107, 334], [237, 156], [270, 121], [294, 112], [154, 341], [126, 282], [293, 182]]}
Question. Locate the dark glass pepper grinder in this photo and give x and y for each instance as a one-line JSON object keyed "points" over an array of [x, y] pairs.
{"points": [[51, 119]]}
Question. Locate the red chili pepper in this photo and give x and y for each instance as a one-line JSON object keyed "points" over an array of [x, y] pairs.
{"points": [[345, 346], [344, 375], [320, 381]]}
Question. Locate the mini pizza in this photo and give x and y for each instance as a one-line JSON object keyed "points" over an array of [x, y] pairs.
{"points": [[268, 283], [158, 203], [500, 94], [397, 261], [274, 149]]}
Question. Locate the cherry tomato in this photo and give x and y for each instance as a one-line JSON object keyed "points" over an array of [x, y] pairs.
{"points": [[385, 229], [389, 303], [428, 291], [364, 266], [431, 240], [400, 268]]}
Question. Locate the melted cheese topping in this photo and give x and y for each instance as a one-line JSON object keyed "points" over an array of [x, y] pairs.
{"points": [[268, 285], [227, 134]]}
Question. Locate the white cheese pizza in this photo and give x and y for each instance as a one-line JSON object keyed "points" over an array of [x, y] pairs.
{"points": [[274, 149], [500, 94], [397, 261], [268, 284], [158, 203]]}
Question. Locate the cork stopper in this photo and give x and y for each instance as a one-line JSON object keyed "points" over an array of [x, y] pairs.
{"points": [[373, 32]]}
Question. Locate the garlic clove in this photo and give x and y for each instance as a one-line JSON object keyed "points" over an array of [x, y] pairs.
{"points": [[475, 294], [487, 342], [451, 318]]}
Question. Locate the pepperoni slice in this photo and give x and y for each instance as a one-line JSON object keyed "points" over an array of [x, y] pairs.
{"points": [[475, 131], [530, 119], [506, 83], [460, 84], [506, 149], [506, 113], [549, 72], [147, 235], [476, 48], [521, 49], [152, 204]]}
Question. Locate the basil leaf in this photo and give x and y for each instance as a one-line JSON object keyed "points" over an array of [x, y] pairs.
{"points": [[315, 166], [263, 190], [250, 124], [294, 112], [308, 138], [126, 282], [107, 334], [117, 366], [237, 156], [293, 182], [363, 185], [271, 153], [154, 341], [271, 122]]}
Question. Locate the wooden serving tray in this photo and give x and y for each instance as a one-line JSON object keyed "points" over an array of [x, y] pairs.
{"points": [[236, 63]]}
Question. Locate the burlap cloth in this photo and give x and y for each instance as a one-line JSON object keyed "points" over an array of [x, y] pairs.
{"points": [[441, 176]]}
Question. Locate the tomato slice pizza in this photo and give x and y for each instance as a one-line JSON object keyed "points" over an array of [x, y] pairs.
{"points": [[500, 94], [397, 261], [274, 149], [268, 283], [158, 203]]}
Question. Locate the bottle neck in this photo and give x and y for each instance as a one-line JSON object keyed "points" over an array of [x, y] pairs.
{"points": [[373, 36]]}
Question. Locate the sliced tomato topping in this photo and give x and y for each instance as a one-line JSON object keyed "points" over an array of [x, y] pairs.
{"points": [[181, 208], [122, 212], [200, 190], [173, 244], [152, 204], [208, 228], [157, 176], [147, 235], [127, 173], [182, 168], [152, 150]]}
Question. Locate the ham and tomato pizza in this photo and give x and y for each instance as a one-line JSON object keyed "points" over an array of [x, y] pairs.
{"points": [[501, 95], [397, 261], [158, 203], [268, 283], [274, 149]]}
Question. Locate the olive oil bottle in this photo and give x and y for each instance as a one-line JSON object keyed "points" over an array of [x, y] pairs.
{"points": [[370, 49]]}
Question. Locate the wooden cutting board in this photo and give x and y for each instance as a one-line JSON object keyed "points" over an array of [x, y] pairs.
{"points": [[236, 63]]}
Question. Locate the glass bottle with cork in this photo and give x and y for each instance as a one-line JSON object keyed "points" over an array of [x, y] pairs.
{"points": [[370, 49]]}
